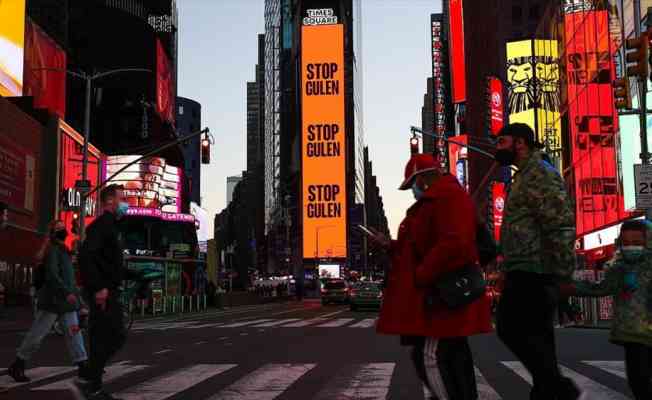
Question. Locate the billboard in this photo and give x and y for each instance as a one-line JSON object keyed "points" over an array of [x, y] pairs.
{"points": [[149, 183], [440, 83], [533, 91], [496, 105], [323, 141], [12, 45], [593, 120], [457, 62], [457, 159], [498, 195], [329, 271]]}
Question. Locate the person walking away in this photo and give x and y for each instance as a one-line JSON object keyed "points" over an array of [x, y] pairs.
{"points": [[437, 236], [57, 300], [102, 272], [537, 241], [629, 279]]}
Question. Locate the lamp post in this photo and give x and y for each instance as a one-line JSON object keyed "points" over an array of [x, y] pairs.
{"points": [[88, 79]]}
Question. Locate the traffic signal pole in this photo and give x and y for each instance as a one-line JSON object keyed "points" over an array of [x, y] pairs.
{"points": [[642, 87]]}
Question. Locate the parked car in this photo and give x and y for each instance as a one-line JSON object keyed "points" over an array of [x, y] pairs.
{"points": [[366, 295], [334, 291]]}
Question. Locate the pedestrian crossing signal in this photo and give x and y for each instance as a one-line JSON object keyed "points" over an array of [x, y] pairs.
{"points": [[205, 151], [414, 145], [622, 96]]}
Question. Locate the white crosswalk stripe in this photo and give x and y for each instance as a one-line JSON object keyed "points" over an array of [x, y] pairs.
{"points": [[485, 390], [265, 383], [336, 323], [613, 367], [275, 323], [370, 382], [36, 375], [365, 323], [113, 372], [173, 382], [594, 389], [321, 321], [245, 323], [304, 323]]}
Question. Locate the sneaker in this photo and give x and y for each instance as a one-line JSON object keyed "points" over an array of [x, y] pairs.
{"points": [[17, 371]]}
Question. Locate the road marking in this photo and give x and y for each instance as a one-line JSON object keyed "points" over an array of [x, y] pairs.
{"points": [[174, 382], [613, 367], [365, 323], [336, 323], [306, 322], [245, 323], [213, 325], [113, 372], [275, 323], [485, 390], [331, 314], [163, 351], [202, 342], [593, 389], [36, 374], [370, 382], [265, 383]]}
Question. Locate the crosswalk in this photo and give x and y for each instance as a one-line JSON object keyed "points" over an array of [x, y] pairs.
{"points": [[368, 381], [317, 322]]}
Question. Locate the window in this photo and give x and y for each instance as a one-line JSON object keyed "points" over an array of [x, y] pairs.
{"points": [[180, 110], [534, 13], [517, 14]]}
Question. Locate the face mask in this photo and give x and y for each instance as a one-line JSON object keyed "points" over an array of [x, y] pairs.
{"points": [[122, 209], [506, 157], [416, 191], [632, 253], [61, 234]]}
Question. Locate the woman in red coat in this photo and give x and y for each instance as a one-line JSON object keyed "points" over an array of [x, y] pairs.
{"points": [[438, 235]]}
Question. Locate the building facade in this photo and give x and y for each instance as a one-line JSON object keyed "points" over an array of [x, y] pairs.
{"points": [[189, 121]]}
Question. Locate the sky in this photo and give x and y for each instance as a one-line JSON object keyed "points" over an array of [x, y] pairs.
{"points": [[217, 56]]}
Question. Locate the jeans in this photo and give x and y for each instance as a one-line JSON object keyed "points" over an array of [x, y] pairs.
{"points": [[638, 363], [107, 335], [40, 328]]}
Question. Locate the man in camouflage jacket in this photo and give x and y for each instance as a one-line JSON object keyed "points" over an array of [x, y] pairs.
{"points": [[537, 240]]}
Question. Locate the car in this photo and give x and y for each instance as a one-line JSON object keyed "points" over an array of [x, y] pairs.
{"points": [[366, 295], [334, 291]]}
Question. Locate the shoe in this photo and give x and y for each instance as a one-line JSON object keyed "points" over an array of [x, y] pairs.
{"points": [[80, 389], [17, 371]]}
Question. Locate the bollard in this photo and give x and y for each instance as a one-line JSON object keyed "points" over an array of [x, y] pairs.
{"points": [[190, 301], [183, 300], [142, 308], [205, 308]]}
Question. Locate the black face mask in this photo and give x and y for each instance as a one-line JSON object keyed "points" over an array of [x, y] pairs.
{"points": [[506, 157], [60, 235]]}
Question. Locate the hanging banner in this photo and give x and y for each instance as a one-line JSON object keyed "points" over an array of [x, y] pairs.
{"points": [[323, 141], [496, 106], [498, 201], [457, 60]]}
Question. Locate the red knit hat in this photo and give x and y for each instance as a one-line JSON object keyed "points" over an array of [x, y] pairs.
{"points": [[418, 164]]}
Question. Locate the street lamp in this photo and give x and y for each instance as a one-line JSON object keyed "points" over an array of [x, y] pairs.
{"points": [[88, 78]]}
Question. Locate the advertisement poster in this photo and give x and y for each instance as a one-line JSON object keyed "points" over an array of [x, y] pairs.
{"points": [[458, 65], [496, 105], [533, 91], [17, 166], [457, 159], [323, 142], [593, 120], [12, 47], [150, 183], [329, 271], [498, 202]]}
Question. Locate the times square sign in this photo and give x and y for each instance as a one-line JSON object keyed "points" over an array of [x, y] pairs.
{"points": [[320, 16]]}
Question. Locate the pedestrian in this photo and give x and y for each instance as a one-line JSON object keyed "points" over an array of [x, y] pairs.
{"points": [[102, 273], [57, 300], [436, 238], [537, 240], [628, 278]]}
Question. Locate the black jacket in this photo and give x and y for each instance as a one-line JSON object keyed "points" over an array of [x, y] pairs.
{"points": [[101, 256]]}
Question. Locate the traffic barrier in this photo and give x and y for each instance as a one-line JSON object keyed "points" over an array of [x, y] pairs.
{"points": [[595, 312]]}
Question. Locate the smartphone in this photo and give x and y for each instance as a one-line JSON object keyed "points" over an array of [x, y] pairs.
{"points": [[366, 230]]}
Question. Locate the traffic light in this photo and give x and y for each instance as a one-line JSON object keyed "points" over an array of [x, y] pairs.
{"points": [[75, 223], [622, 96], [637, 56], [205, 151], [414, 145]]}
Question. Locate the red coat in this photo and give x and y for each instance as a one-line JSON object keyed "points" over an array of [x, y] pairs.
{"points": [[436, 236]]}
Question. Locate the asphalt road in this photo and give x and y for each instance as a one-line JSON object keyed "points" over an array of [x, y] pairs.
{"points": [[297, 351]]}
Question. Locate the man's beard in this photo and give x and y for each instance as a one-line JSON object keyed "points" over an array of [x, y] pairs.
{"points": [[519, 102]]}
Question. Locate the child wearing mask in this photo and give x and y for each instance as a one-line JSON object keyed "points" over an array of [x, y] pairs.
{"points": [[629, 279]]}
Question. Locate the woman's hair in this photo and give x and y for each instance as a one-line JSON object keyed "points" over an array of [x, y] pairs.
{"points": [[40, 254]]}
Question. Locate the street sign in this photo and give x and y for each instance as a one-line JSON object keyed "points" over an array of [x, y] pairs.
{"points": [[83, 186], [643, 181]]}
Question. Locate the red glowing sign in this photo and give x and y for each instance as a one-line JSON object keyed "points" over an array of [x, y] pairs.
{"points": [[496, 105], [498, 203], [593, 120], [458, 68]]}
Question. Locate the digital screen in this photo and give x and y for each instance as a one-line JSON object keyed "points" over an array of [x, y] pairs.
{"points": [[496, 105], [323, 141], [12, 47], [457, 159], [149, 183], [593, 120], [440, 90], [458, 66], [329, 271], [498, 204], [533, 91]]}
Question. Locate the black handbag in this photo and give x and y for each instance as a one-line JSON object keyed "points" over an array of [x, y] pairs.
{"points": [[461, 287]]}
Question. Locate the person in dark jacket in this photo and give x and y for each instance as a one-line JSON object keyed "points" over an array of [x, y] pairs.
{"points": [[437, 236], [102, 273], [57, 300]]}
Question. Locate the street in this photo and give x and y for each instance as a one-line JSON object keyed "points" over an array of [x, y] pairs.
{"points": [[297, 351]]}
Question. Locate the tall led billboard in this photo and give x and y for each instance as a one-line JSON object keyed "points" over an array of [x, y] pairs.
{"points": [[496, 106], [323, 141], [12, 45], [593, 119], [441, 84], [533, 90], [457, 61]]}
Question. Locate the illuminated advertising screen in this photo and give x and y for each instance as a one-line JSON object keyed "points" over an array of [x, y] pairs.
{"points": [[533, 91], [593, 119], [496, 105], [149, 183], [12, 45], [323, 141], [458, 66], [457, 159], [498, 204], [329, 271], [440, 89]]}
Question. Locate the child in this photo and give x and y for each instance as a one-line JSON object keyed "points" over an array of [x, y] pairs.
{"points": [[629, 280]]}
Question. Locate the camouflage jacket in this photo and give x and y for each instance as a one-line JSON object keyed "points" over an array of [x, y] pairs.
{"points": [[632, 322], [538, 231]]}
